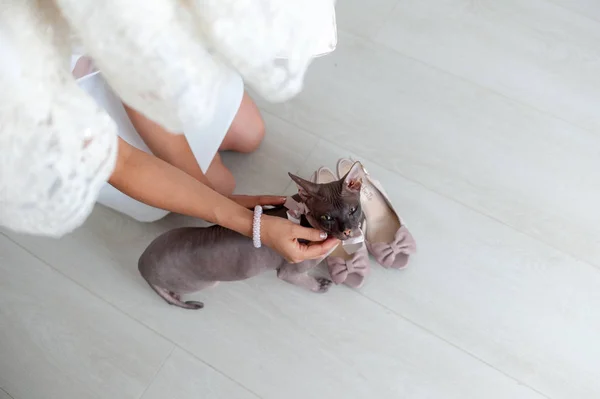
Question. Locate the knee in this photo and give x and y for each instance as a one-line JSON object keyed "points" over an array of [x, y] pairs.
{"points": [[247, 130], [227, 186], [221, 178], [253, 135], [224, 184]]}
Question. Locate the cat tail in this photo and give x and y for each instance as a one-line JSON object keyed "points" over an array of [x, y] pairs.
{"points": [[173, 300]]}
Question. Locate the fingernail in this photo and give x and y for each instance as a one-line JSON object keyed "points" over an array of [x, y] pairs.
{"points": [[323, 235]]}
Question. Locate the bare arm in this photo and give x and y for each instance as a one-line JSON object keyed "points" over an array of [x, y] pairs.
{"points": [[157, 183]]}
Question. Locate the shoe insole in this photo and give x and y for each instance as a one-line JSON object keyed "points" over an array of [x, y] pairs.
{"points": [[382, 221]]}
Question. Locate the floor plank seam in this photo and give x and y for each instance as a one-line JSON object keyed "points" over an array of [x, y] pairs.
{"points": [[218, 371], [309, 153], [162, 364], [463, 350], [141, 323], [457, 201], [466, 352], [6, 392], [176, 345], [578, 13], [380, 26], [463, 79], [478, 117]]}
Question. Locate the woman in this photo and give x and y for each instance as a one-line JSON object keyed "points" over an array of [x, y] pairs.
{"points": [[169, 60], [162, 170]]}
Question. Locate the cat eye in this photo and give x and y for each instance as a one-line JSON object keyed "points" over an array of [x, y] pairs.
{"points": [[326, 218], [353, 211]]}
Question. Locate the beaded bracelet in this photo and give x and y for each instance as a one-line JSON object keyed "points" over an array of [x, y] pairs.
{"points": [[256, 226]]}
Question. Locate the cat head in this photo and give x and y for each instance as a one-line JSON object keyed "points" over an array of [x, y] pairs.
{"points": [[334, 207]]}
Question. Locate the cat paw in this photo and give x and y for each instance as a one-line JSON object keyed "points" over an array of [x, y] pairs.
{"points": [[323, 285]]}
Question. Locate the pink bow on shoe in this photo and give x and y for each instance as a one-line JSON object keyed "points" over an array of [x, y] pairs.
{"points": [[394, 254], [340, 269]]}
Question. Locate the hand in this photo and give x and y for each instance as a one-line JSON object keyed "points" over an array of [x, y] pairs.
{"points": [[250, 201], [282, 236]]}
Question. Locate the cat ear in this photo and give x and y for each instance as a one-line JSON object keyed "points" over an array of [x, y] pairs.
{"points": [[306, 189], [353, 179]]}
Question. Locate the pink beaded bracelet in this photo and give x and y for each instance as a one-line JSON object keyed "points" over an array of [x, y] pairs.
{"points": [[258, 210]]}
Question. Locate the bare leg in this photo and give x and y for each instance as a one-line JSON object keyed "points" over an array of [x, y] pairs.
{"points": [[247, 130], [298, 275], [244, 135], [174, 149]]}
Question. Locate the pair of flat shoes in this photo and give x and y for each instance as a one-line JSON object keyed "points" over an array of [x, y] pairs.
{"points": [[386, 237]]}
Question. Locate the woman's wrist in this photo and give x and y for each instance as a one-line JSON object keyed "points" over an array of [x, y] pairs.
{"points": [[240, 217], [157, 183], [234, 217], [147, 179]]}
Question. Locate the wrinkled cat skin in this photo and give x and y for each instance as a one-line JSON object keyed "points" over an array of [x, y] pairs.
{"points": [[186, 260]]}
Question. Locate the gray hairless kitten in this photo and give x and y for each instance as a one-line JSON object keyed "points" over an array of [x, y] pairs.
{"points": [[188, 259]]}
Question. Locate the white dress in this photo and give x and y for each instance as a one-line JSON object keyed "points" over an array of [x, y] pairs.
{"points": [[169, 59], [204, 144]]}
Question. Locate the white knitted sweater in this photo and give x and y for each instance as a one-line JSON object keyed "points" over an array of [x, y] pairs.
{"points": [[163, 57]]}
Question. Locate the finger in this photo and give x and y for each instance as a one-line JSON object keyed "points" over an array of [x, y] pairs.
{"points": [[271, 200], [240, 200], [309, 234], [250, 201], [316, 251]]}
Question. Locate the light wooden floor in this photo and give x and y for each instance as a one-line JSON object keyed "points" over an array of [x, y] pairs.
{"points": [[481, 117]]}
